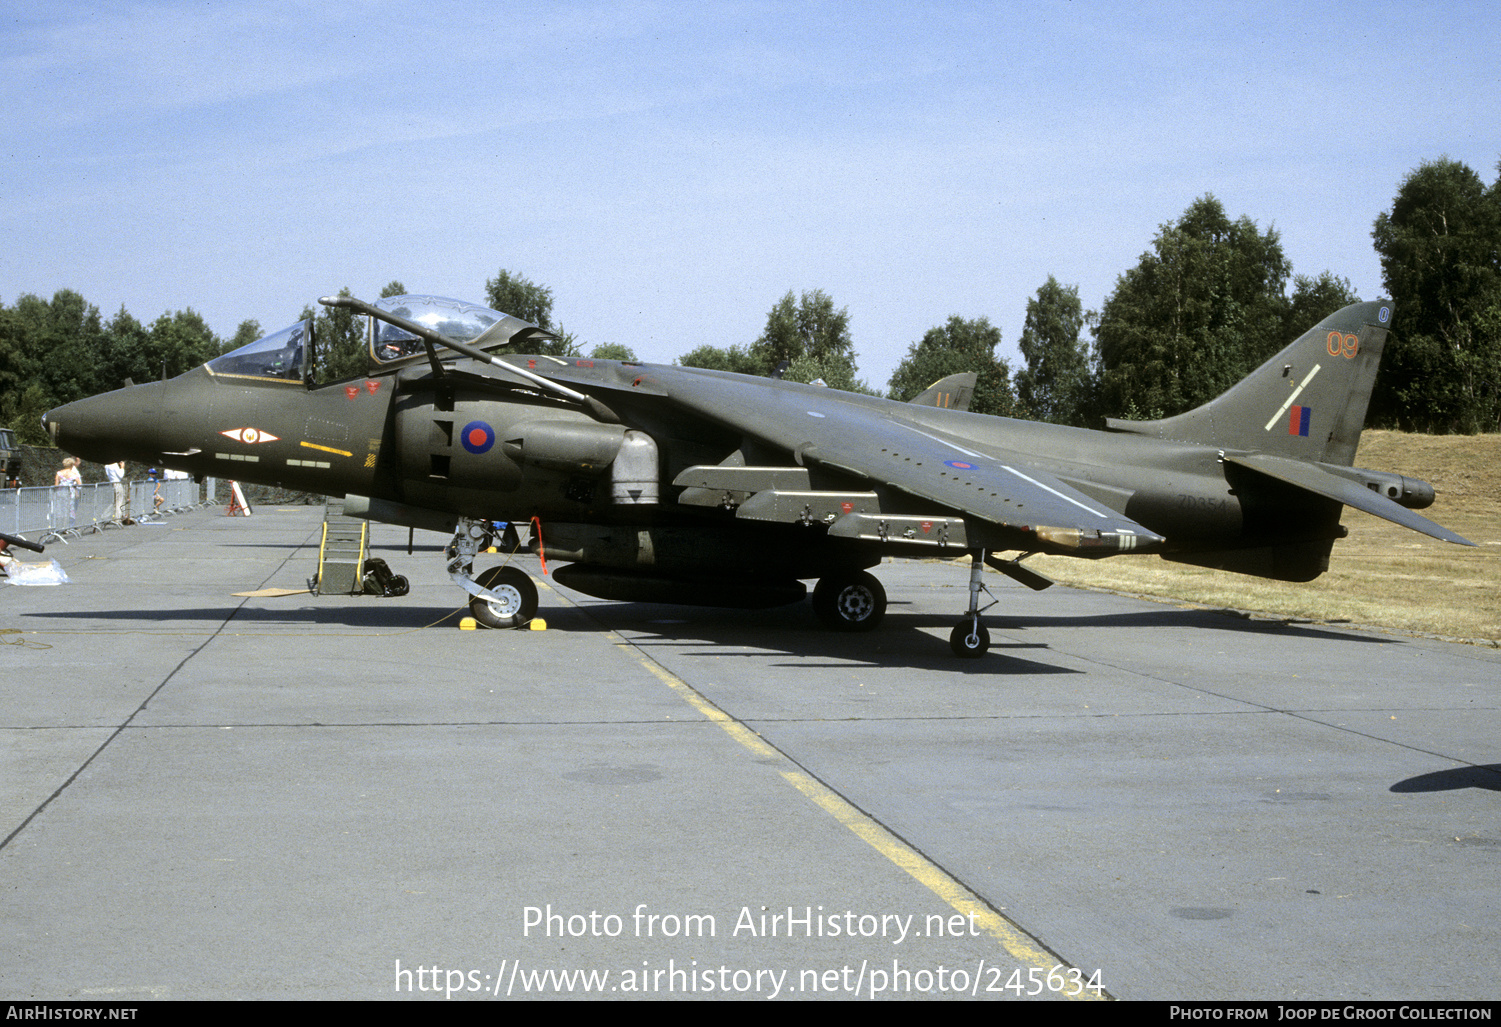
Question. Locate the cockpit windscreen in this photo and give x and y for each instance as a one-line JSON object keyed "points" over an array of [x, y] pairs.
{"points": [[278, 356]]}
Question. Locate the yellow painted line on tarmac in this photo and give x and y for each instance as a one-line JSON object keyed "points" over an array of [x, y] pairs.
{"points": [[1018, 943], [686, 692], [1021, 946]]}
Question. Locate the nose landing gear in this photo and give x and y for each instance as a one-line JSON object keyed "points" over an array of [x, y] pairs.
{"points": [[502, 597], [514, 601]]}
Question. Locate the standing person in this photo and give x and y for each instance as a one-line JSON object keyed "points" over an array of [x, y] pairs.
{"points": [[116, 472], [70, 479]]}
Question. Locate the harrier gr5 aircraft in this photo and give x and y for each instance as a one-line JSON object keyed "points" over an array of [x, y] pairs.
{"points": [[679, 485]]}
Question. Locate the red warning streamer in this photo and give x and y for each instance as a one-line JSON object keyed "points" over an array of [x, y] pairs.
{"points": [[541, 551]]}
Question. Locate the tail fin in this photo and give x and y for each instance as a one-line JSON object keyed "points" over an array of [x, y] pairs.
{"points": [[951, 393], [1308, 402]]}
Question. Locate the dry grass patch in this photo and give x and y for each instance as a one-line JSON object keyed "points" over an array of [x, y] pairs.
{"points": [[1382, 575]]}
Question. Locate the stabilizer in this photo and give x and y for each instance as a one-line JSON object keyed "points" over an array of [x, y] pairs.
{"points": [[1346, 490], [1306, 403]]}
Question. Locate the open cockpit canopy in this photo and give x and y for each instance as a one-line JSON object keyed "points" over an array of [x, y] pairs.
{"points": [[470, 323], [287, 355]]}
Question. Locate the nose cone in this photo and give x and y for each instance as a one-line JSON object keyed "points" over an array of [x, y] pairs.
{"points": [[119, 425]]}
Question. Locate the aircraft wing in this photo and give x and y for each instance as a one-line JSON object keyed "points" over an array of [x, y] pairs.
{"points": [[874, 442]]}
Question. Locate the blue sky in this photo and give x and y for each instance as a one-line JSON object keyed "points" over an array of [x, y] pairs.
{"points": [[671, 169]]}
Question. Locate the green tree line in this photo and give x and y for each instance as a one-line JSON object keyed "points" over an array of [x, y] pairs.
{"points": [[60, 350], [1210, 300]]}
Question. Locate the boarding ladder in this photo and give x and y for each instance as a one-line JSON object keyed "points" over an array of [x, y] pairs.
{"points": [[342, 554]]}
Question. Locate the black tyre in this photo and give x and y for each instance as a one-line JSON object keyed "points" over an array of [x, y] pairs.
{"points": [[517, 602], [969, 639], [849, 602]]}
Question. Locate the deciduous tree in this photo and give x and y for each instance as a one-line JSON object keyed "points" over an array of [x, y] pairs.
{"points": [[179, 342], [1315, 299], [805, 333], [520, 297], [805, 326], [1055, 384], [1199, 312], [959, 345], [613, 351], [1440, 249], [721, 358], [340, 345]]}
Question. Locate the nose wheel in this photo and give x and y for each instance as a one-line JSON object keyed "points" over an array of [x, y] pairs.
{"points": [[501, 597], [512, 599]]}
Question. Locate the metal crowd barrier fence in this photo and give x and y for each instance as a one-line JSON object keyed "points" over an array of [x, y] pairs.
{"points": [[62, 511]]}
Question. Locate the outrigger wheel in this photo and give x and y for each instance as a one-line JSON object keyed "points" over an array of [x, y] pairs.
{"points": [[851, 601], [516, 603], [970, 639]]}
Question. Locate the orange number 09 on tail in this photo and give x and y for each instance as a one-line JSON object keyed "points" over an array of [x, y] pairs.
{"points": [[1343, 345]]}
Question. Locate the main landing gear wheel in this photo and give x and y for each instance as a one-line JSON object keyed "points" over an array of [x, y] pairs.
{"points": [[969, 639], [849, 602], [517, 602]]}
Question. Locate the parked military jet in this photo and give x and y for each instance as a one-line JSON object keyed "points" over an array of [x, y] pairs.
{"points": [[674, 484]]}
